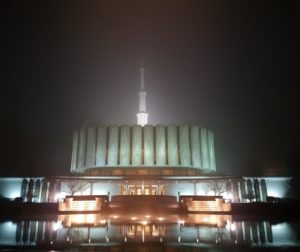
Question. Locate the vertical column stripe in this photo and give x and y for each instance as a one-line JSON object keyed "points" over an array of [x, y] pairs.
{"points": [[74, 152], [125, 146], [172, 146], [204, 149], [90, 148], [195, 146], [148, 145], [101, 146], [136, 145], [112, 159], [160, 145], [185, 154]]}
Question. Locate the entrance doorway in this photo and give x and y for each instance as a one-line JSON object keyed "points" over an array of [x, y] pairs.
{"points": [[139, 189]]}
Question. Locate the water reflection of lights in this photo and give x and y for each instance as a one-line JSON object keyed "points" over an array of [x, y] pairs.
{"points": [[56, 226], [232, 227], [208, 219], [99, 219], [102, 221], [213, 219], [90, 218], [123, 230], [79, 218], [143, 234], [83, 219]]}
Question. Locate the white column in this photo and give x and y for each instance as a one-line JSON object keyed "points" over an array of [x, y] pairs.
{"points": [[185, 152], [160, 145], [82, 150], [90, 148], [195, 146], [113, 146], [74, 152], [101, 146], [204, 149], [125, 146], [148, 145], [172, 146], [211, 151], [136, 145]]}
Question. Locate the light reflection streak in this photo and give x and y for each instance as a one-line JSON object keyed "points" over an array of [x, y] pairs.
{"points": [[195, 228], [98, 219]]}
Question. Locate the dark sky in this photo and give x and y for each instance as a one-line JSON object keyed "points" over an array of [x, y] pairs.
{"points": [[229, 66]]}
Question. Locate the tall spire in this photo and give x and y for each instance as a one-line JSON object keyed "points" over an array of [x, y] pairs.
{"points": [[142, 116], [142, 76]]}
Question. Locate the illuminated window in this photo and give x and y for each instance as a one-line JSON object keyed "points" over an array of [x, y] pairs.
{"points": [[138, 191], [155, 231]]}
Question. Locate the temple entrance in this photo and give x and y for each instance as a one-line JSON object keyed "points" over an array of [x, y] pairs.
{"points": [[141, 189]]}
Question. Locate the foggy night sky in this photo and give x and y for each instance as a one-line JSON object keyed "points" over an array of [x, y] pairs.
{"points": [[230, 66]]}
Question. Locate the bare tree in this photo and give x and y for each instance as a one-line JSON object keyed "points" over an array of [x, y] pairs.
{"points": [[216, 187], [74, 186]]}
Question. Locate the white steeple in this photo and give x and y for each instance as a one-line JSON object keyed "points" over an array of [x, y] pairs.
{"points": [[142, 116]]}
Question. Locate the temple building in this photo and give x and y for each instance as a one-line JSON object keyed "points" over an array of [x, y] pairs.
{"points": [[144, 159], [142, 183]]}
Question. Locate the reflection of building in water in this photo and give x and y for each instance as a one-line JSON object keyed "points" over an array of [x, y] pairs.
{"points": [[143, 166], [143, 232], [195, 230]]}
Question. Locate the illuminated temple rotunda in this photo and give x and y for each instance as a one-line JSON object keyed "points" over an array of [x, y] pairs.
{"points": [[145, 159]]}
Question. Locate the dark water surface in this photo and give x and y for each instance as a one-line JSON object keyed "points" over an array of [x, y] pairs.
{"points": [[168, 232]]}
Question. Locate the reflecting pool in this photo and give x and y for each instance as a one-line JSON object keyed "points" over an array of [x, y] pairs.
{"points": [[165, 232]]}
